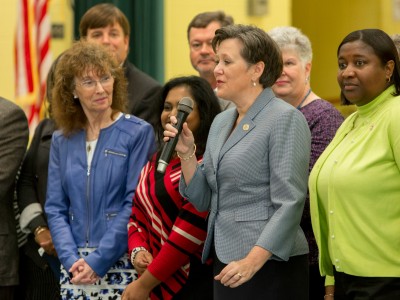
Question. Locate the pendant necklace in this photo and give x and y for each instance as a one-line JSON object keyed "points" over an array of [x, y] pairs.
{"points": [[304, 99]]}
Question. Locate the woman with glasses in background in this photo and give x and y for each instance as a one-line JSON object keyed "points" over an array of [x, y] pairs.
{"points": [[95, 162]]}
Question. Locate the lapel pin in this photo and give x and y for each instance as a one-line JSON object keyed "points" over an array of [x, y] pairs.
{"points": [[246, 127]]}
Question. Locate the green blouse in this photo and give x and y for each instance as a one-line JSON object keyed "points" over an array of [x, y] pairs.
{"points": [[355, 193]]}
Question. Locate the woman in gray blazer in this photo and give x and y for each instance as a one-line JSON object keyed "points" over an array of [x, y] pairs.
{"points": [[253, 179]]}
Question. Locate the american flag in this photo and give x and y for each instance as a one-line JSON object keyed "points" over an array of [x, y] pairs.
{"points": [[32, 57]]}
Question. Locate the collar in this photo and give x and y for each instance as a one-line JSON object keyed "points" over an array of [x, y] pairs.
{"points": [[367, 109]]}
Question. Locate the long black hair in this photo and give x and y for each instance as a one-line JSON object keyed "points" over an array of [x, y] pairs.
{"points": [[207, 104]]}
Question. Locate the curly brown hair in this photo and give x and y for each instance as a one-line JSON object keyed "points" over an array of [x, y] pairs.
{"points": [[75, 62]]}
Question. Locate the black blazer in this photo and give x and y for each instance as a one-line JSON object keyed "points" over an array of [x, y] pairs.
{"points": [[14, 137], [143, 94], [32, 186], [32, 182]]}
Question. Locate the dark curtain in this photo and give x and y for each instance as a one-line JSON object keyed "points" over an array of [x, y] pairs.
{"points": [[146, 18]]}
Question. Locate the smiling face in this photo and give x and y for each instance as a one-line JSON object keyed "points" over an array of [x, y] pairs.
{"points": [[361, 75], [111, 36], [94, 92], [202, 55], [232, 72], [171, 108], [291, 84]]}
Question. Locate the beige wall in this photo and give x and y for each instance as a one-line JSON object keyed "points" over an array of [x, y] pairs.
{"points": [[7, 31], [326, 23], [61, 12]]}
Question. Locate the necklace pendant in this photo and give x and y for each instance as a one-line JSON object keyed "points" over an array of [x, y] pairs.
{"points": [[304, 99]]}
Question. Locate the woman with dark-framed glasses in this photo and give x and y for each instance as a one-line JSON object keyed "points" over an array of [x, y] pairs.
{"points": [[95, 161]]}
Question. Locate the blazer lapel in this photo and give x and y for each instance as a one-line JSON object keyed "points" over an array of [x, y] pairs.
{"points": [[229, 118], [247, 124]]}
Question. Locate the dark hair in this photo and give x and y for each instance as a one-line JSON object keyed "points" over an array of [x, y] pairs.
{"points": [[102, 15], [207, 104], [257, 46], [383, 47], [50, 81], [74, 62], [203, 19]]}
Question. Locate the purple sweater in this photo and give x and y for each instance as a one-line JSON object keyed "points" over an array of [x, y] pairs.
{"points": [[323, 120]]}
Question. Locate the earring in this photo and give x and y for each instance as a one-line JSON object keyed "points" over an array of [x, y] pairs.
{"points": [[307, 78], [75, 97], [388, 79], [254, 83]]}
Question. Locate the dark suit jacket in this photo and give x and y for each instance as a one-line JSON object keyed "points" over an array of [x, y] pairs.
{"points": [[14, 136], [143, 94], [32, 186]]}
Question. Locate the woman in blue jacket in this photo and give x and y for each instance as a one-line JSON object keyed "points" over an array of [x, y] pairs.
{"points": [[95, 162]]}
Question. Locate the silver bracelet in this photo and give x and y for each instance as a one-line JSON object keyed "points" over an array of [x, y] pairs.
{"points": [[135, 251]]}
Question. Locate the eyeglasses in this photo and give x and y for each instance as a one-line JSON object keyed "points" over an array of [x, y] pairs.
{"points": [[90, 84]]}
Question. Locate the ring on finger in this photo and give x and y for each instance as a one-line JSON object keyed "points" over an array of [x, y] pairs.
{"points": [[240, 275]]}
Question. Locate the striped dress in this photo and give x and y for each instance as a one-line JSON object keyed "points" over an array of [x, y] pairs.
{"points": [[170, 228]]}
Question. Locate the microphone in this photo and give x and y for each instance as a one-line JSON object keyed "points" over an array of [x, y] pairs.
{"points": [[185, 107]]}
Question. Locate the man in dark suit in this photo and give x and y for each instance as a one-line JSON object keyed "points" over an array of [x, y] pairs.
{"points": [[200, 32], [107, 25], [14, 136]]}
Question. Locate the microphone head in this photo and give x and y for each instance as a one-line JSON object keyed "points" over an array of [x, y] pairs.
{"points": [[186, 105]]}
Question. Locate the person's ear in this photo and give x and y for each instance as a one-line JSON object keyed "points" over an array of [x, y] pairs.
{"points": [[258, 70], [307, 68], [389, 70]]}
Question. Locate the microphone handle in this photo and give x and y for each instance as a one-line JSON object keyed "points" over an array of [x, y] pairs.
{"points": [[169, 147]]}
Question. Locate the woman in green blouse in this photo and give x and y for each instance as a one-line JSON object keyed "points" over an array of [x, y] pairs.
{"points": [[355, 184]]}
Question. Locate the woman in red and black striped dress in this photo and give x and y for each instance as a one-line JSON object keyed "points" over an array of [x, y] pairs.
{"points": [[166, 233]]}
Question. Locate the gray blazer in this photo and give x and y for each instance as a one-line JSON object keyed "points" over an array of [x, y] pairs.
{"points": [[253, 181], [13, 142]]}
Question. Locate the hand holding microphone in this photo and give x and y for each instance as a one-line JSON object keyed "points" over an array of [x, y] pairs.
{"points": [[185, 107]]}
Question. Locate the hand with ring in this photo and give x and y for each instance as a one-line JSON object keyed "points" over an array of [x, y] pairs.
{"points": [[238, 272], [231, 276]]}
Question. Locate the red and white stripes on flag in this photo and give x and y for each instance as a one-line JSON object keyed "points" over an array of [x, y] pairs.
{"points": [[32, 57]]}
